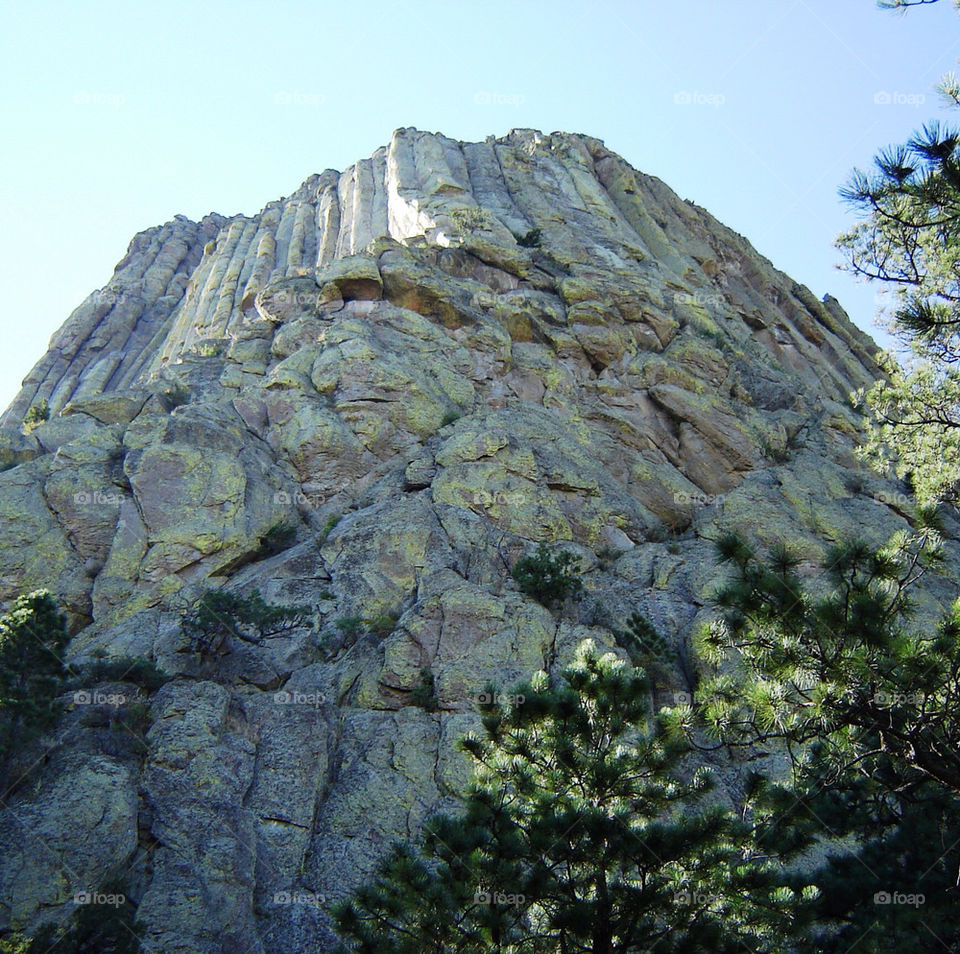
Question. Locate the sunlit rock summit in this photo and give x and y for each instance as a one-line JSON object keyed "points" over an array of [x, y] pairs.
{"points": [[418, 368]]}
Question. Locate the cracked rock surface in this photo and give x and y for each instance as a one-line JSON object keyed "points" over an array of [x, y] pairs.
{"points": [[424, 365]]}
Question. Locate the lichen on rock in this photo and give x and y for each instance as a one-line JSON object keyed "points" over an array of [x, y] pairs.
{"points": [[378, 364]]}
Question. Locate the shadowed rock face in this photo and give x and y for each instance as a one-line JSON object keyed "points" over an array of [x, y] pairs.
{"points": [[425, 364]]}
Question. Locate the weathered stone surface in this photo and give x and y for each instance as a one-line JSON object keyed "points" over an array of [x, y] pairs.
{"points": [[111, 408], [16, 448], [65, 838], [388, 363], [288, 298], [200, 767], [106, 342], [355, 278]]}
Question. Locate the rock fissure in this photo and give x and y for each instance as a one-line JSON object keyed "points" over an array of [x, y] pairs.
{"points": [[614, 377]]}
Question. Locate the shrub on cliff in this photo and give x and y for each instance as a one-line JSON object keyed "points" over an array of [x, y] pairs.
{"points": [[548, 579], [33, 637], [580, 832], [36, 416], [220, 614]]}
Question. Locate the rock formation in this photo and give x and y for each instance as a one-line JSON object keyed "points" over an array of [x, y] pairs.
{"points": [[425, 365]]}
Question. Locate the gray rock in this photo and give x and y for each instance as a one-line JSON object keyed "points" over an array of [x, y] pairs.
{"points": [[389, 364]]}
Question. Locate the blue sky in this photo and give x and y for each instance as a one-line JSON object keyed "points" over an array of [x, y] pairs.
{"points": [[118, 116]]}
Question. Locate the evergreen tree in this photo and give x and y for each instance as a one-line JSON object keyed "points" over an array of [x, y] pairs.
{"points": [[842, 669], [107, 927], [579, 833], [548, 579], [33, 636], [222, 614], [35, 416], [867, 705], [103, 929], [910, 241]]}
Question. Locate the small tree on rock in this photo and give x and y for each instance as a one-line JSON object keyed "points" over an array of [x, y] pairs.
{"points": [[33, 637], [580, 833], [548, 579]]}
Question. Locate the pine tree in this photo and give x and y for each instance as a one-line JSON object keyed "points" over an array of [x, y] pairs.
{"points": [[222, 614], [842, 669], [109, 927], [910, 241], [33, 636], [580, 832], [548, 579], [867, 705]]}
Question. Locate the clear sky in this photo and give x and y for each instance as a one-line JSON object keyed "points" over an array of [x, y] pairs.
{"points": [[119, 115]]}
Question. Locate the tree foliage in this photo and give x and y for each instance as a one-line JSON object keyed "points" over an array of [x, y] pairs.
{"points": [[909, 241], [36, 415], [221, 614], [547, 578], [642, 640], [866, 702], [580, 833], [33, 636], [842, 668], [104, 923]]}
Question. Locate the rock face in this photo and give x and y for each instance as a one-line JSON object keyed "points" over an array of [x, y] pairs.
{"points": [[425, 365]]}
